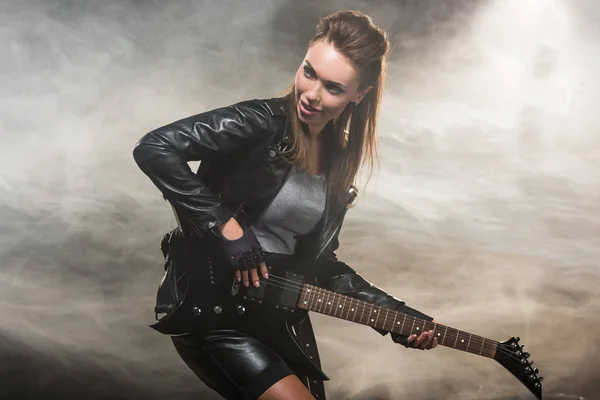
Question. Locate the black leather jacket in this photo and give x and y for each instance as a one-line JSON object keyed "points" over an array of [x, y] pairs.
{"points": [[240, 173]]}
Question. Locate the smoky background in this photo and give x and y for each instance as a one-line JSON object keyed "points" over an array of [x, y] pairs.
{"points": [[484, 214]]}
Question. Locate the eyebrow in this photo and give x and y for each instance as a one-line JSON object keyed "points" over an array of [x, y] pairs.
{"points": [[331, 82]]}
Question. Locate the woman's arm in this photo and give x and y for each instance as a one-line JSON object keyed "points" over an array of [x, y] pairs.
{"points": [[163, 155]]}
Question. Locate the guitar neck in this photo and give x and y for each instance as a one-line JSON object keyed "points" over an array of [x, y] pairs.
{"points": [[323, 301]]}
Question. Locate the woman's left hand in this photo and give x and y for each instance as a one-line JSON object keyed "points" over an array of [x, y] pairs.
{"points": [[425, 341]]}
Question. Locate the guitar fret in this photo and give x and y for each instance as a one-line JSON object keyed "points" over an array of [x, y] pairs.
{"points": [[413, 325], [361, 315], [320, 300], [444, 338], [348, 312], [306, 297], [402, 327], [387, 312], [482, 343], [457, 333], [350, 309], [332, 304], [469, 342], [394, 321]]}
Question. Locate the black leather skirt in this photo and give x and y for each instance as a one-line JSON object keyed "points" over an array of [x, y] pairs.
{"points": [[232, 363]]}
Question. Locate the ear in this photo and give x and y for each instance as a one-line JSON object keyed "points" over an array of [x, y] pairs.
{"points": [[361, 95]]}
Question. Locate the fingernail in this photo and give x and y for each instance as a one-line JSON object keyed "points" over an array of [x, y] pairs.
{"points": [[246, 284], [256, 284], [266, 275]]}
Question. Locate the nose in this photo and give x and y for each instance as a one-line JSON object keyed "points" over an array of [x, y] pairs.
{"points": [[313, 95]]}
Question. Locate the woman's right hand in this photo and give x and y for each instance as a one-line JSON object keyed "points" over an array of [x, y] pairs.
{"points": [[244, 252]]}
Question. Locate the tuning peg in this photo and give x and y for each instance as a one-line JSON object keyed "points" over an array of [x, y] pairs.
{"points": [[517, 339], [534, 370], [541, 378], [526, 355], [532, 377], [522, 346]]}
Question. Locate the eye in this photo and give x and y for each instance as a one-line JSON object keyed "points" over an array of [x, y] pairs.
{"points": [[334, 90], [309, 73]]}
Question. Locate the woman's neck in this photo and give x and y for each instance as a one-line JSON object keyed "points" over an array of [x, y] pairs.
{"points": [[316, 130]]}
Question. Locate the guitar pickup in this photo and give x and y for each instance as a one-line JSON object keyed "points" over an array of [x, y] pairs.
{"points": [[290, 295]]}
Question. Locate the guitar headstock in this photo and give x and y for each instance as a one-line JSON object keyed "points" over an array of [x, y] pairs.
{"points": [[511, 355]]}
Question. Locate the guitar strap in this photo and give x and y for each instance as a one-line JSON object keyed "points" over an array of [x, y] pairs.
{"points": [[306, 338]]}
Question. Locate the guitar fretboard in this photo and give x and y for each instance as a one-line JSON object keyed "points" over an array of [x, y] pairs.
{"points": [[323, 301]]}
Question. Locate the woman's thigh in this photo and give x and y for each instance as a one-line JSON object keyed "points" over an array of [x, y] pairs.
{"points": [[236, 365]]}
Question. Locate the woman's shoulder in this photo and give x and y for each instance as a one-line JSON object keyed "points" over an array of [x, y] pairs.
{"points": [[272, 107]]}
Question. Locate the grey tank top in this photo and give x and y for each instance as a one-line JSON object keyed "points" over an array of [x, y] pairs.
{"points": [[296, 209]]}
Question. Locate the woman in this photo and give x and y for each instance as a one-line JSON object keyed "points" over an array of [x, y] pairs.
{"points": [[323, 129]]}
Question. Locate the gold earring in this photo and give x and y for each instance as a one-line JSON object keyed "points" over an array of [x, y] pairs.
{"points": [[347, 128]]}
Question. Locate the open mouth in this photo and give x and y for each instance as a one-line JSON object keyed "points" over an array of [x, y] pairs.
{"points": [[307, 109]]}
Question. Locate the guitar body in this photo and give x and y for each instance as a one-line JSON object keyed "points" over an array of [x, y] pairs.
{"points": [[212, 300]]}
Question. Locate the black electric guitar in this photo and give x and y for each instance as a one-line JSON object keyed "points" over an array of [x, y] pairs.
{"points": [[213, 300]]}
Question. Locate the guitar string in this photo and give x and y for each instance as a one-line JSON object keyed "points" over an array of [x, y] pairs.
{"points": [[488, 346], [298, 289], [478, 340]]}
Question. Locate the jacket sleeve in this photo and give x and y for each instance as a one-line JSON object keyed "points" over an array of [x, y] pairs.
{"points": [[341, 278], [163, 153]]}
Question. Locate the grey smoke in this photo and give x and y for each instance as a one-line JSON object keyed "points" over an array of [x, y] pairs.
{"points": [[484, 214]]}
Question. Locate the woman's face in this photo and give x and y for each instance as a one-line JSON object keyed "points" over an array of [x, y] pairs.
{"points": [[325, 83]]}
